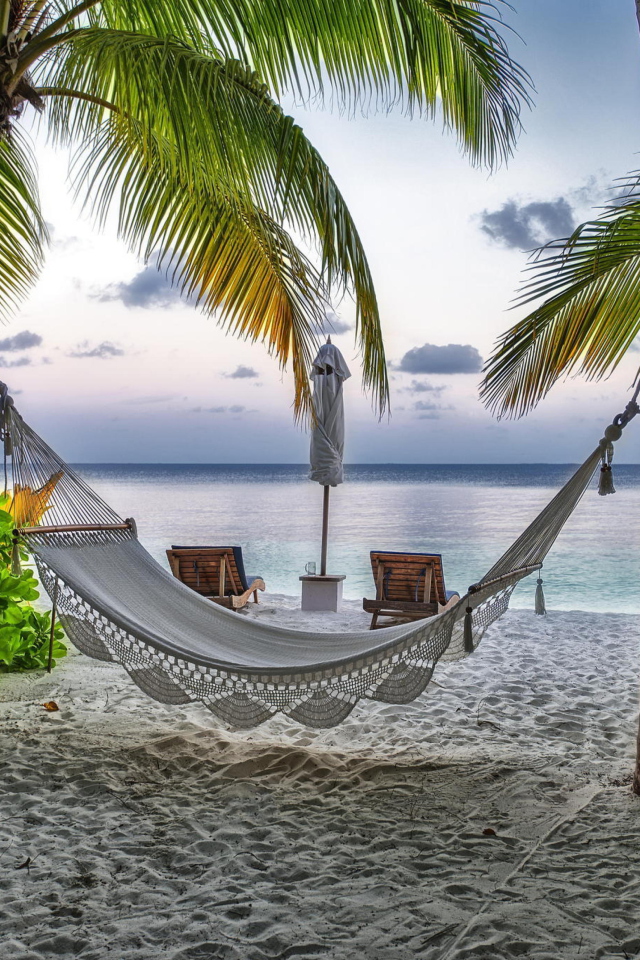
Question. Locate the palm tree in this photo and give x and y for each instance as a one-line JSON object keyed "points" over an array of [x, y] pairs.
{"points": [[170, 107], [590, 315]]}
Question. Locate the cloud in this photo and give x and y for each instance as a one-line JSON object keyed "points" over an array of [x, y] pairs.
{"points": [[19, 362], [104, 351], [155, 398], [149, 288], [236, 408], [21, 341], [594, 189], [242, 373], [333, 324], [418, 386], [526, 226], [65, 244], [428, 410], [452, 358]]}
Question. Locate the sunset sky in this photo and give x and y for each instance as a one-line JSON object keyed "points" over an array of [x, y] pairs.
{"points": [[107, 363]]}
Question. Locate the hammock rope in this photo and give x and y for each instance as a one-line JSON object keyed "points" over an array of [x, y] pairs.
{"points": [[117, 604]]}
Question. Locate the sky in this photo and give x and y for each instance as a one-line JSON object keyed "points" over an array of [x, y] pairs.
{"points": [[108, 364]]}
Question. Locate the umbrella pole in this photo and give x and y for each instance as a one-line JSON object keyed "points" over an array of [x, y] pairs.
{"points": [[325, 532]]}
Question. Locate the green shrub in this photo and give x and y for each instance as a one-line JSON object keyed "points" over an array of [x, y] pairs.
{"points": [[24, 631]]}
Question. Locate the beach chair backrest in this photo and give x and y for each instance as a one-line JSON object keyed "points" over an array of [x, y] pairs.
{"points": [[211, 571], [408, 577]]}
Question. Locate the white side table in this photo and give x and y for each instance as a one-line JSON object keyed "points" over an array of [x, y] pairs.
{"points": [[322, 593]]}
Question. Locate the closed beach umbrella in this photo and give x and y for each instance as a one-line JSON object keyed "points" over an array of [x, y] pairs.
{"points": [[327, 439]]}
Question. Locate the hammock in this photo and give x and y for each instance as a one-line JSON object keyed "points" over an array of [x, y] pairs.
{"points": [[117, 604]]}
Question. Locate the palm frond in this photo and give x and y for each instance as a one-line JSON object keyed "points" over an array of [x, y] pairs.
{"points": [[220, 132], [203, 105], [421, 54], [22, 229], [227, 254], [588, 320]]}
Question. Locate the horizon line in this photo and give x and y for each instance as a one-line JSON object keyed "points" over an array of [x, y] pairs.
{"points": [[363, 463]]}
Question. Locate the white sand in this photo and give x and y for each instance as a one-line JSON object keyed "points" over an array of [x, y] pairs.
{"points": [[154, 833]]}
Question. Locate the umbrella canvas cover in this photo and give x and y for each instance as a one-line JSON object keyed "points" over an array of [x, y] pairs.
{"points": [[327, 438]]}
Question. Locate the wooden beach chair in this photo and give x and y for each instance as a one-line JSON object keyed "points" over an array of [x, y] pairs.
{"points": [[409, 586], [216, 573]]}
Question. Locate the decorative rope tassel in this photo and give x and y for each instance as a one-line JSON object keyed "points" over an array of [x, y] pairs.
{"points": [[16, 567], [468, 630], [540, 606], [605, 485]]}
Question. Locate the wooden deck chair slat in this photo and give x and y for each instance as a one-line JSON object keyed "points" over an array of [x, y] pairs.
{"points": [[234, 585], [426, 591], [222, 572]]}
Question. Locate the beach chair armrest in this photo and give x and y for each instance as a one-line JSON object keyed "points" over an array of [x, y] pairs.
{"points": [[237, 602]]}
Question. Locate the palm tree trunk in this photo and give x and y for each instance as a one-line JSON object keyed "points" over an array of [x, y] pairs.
{"points": [[638, 11], [5, 9]]}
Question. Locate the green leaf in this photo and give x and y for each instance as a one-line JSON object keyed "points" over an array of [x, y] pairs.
{"points": [[203, 164], [233, 259], [427, 56], [24, 587], [22, 229], [6, 521], [590, 315], [59, 649], [14, 615]]}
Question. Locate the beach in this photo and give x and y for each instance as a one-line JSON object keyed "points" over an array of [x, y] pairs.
{"points": [[493, 817], [269, 324]]}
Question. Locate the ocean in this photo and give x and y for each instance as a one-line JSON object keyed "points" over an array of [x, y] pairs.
{"points": [[468, 513]]}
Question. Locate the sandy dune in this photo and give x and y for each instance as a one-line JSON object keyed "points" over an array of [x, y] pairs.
{"points": [[129, 829]]}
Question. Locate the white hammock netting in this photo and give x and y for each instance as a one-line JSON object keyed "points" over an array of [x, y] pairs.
{"points": [[117, 603]]}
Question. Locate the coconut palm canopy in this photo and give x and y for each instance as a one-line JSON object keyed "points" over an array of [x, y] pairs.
{"points": [[590, 314], [170, 108]]}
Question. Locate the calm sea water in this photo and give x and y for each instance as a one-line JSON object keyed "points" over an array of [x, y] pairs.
{"points": [[468, 513]]}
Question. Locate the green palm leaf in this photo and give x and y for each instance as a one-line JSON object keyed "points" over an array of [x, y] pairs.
{"points": [[589, 318], [227, 254], [221, 134], [426, 55], [22, 229]]}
